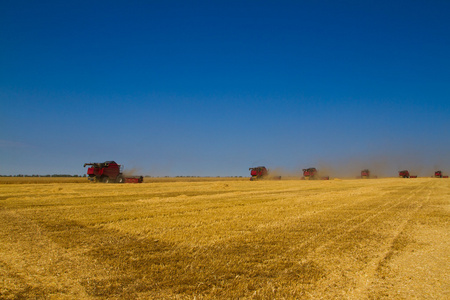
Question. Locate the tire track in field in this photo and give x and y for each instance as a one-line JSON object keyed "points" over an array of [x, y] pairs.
{"points": [[373, 213], [350, 276], [313, 213], [369, 218], [316, 211], [324, 235], [368, 274]]}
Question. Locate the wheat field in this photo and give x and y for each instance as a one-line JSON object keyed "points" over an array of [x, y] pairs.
{"points": [[386, 238]]}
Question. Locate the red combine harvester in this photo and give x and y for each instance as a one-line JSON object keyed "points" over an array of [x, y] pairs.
{"points": [[257, 173], [365, 174], [109, 171], [438, 174], [311, 174], [405, 174]]}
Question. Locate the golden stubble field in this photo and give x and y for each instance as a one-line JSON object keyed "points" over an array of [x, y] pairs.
{"points": [[226, 239]]}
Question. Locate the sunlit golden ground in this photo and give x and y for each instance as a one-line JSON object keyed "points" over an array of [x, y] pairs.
{"points": [[226, 239]]}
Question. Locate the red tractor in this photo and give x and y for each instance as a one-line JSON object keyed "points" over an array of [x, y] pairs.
{"points": [[365, 174], [109, 171], [258, 172]]}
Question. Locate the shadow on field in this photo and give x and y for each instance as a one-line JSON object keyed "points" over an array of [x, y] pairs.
{"points": [[142, 265]]}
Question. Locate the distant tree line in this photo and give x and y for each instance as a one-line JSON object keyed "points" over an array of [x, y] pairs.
{"points": [[34, 175], [84, 175], [202, 176]]}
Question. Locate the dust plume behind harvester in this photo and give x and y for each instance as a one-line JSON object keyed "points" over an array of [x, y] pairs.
{"points": [[108, 172]]}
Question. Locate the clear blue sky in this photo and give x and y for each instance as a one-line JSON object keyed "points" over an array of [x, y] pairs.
{"points": [[210, 88]]}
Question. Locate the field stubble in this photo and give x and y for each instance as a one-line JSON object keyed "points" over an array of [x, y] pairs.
{"points": [[372, 239]]}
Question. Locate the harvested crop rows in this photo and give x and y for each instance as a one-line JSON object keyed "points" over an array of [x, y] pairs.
{"points": [[358, 239]]}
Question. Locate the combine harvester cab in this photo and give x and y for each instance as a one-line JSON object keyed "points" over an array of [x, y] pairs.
{"points": [[109, 171], [258, 173]]}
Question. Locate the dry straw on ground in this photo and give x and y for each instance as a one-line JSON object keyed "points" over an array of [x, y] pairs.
{"points": [[226, 239]]}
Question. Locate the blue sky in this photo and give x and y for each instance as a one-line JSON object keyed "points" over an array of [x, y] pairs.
{"points": [[211, 88]]}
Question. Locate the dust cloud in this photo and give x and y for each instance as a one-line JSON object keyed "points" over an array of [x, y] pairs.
{"points": [[283, 172], [132, 172], [379, 166]]}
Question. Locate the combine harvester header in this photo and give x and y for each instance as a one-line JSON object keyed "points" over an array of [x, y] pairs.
{"points": [[109, 171]]}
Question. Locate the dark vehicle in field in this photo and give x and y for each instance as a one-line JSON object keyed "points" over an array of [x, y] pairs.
{"points": [[365, 174], [438, 174], [257, 173], [403, 174], [312, 174]]}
